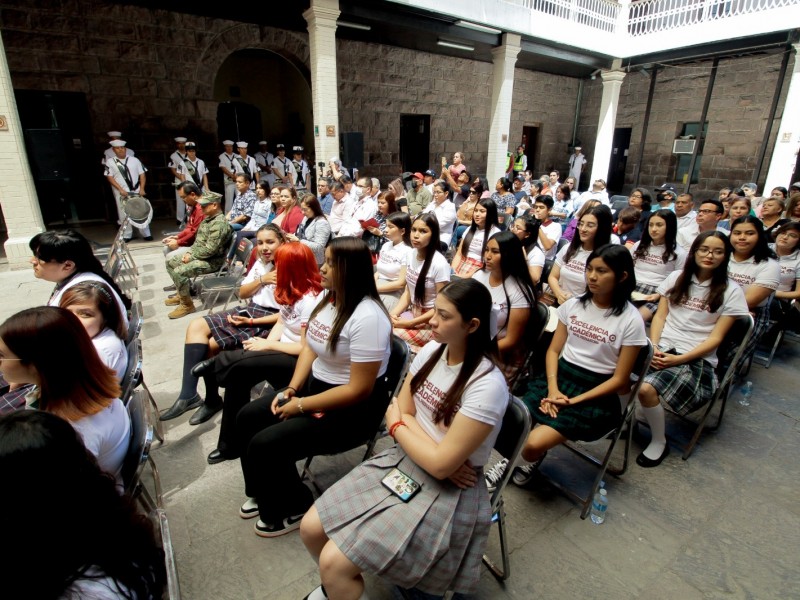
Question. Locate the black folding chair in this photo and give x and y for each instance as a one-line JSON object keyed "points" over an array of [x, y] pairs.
{"points": [[135, 321]]}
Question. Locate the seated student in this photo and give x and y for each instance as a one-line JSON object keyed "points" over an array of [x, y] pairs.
{"points": [[272, 359], [444, 422], [655, 256], [588, 362], [49, 347], [334, 400], [93, 303], [464, 214], [390, 270], [697, 308], [572, 227], [444, 210], [505, 274], [771, 216], [625, 226], [642, 199], [227, 330], [754, 267], [787, 249], [567, 275], [549, 230], [527, 231], [469, 255], [562, 204], [739, 207], [101, 548], [427, 272]]}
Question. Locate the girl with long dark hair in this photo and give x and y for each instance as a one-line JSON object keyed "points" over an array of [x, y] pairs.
{"points": [[589, 361], [698, 306], [655, 256], [315, 230], [527, 231], [427, 272], [444, 422], [334, 400], [469, 255], [390, 270]]}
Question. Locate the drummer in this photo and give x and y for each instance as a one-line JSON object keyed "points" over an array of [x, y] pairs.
{"points": [[126, 175]]}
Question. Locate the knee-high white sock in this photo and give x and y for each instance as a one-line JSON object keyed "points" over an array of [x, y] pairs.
{"points": [[654, 415]]}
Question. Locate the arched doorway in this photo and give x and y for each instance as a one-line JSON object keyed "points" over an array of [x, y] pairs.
{"points": [[263, 95]]}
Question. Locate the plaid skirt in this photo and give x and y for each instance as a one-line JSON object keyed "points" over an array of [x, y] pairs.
{"points": [[433, 542], [686, 387], [643, 288], [230, 337], [466, 266], [418, 337], [586, 421]]}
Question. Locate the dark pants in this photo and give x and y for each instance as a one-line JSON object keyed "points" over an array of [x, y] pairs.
{"points": [[238, 371], [270, 447]]}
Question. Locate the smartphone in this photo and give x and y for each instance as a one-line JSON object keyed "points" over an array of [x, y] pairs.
{"points": [[444, 162], [282, 399], [401, 485], [243, 312]]}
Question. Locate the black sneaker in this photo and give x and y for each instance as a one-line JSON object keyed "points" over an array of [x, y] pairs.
{"points": [[270, 530], [495, 474]]}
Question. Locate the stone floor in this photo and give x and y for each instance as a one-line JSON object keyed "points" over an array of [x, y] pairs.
{"points": [[721, 525]]}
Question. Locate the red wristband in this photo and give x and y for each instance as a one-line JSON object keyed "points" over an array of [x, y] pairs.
{"points": [[394, 427]]}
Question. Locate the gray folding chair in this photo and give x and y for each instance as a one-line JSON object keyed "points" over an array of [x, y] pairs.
{"points": [[533, 333], [230, 283], [135, 321], [134, 379], [139, 455], [173, 591]]}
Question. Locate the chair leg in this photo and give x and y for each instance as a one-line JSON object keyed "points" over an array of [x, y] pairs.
{"points": [[159, 426], [156, 482], [774, 349], [500, 573]]}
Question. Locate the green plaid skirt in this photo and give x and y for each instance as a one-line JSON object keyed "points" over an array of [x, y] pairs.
{"points": [[587, 421]]}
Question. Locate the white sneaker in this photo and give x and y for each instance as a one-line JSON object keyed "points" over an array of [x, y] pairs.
{"points": [[249, 509], [286, 525], [495, 474]]}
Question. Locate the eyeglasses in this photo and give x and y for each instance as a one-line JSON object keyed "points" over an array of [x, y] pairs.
{"points": [[703, 251], [706, 211], [637, 195], [583, 225]]}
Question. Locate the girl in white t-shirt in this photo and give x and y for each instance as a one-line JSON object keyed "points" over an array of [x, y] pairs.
{"points": [[655, 256], [754, 267], [272, 359], [588, 362], [787, 249], [227, 330], [567, 278], [469, 255], [93, 303], [506, 276], [444, 422], [698, 306], [427, 273], [334, 401], [390, 270], [527, 231]]}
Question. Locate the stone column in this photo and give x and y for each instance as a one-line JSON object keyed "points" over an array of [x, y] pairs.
{"points": [[612, 81], [787, 144], [504, 57], [321, 18], [17, 193]]}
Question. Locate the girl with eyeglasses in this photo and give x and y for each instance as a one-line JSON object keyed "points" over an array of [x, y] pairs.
{"points": [[698, 306]]}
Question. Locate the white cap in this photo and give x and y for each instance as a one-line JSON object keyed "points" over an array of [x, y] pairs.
{"points": [[117, 143], [262, 142], [297, 148], [241, 144], [227, 142], [578, 147], [180, 140], [114, 134]]}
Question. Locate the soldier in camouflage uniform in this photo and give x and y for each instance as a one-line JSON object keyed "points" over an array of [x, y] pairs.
{"points": [[206, 255]]}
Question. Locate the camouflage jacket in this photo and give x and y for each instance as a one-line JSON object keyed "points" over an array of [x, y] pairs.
{"points": [[212, 240]]}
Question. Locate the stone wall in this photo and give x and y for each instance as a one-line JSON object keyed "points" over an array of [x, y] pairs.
{"points": [[737, 118]]}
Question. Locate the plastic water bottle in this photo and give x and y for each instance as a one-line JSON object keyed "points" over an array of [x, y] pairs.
{"points": [[747, 392], [599, 507]]}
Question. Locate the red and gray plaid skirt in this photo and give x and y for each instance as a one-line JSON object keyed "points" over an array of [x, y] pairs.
{"points": [[230, 337]]}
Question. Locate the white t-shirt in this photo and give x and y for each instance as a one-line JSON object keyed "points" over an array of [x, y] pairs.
{"points": [[475, 250], [484, 399], [439, 272], [107, 435], [651, 269], [265, 296], [446, 215], [595, 336], [553, 231], [690, 323], [790, 270], [535, 257], [391, 259], [572, 278], [112, 351], [500, 301], [365, 337], [766, 274], [295, 317], [55, 300]]}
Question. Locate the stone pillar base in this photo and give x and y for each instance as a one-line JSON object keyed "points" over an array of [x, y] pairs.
{"points": [[18, 253]]}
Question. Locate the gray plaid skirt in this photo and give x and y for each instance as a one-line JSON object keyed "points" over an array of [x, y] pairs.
{"points": [[589, 420], [686, 387], [433, 542], [643, 288], [230, 337]]}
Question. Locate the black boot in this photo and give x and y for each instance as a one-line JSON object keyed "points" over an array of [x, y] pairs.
{"points": [[181, 406]]}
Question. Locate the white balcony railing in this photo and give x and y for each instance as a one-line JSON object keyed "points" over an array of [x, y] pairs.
{"points": [[597, 14]]}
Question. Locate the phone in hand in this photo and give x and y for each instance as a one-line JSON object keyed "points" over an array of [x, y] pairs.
{"points": [[243, 312]]}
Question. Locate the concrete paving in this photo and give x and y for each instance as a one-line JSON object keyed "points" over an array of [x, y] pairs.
{"points": [[721, 525]]}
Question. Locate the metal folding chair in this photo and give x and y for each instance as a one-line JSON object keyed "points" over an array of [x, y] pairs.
{"points": [[173, 591], [230, 283], [139, 455], [135, 321], [134, 379], [533, 333]]}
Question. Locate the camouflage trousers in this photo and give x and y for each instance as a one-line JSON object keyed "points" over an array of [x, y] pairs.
{"points": [[183, 273]]}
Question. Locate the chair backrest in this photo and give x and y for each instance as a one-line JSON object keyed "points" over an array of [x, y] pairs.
{"points": [[737, 337], [548, 266], [135, 321], [618, 203], [398, 365], [243, 251], [513, 433], [640, 368], [561, 243], [133, 371], [141, 440]]}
